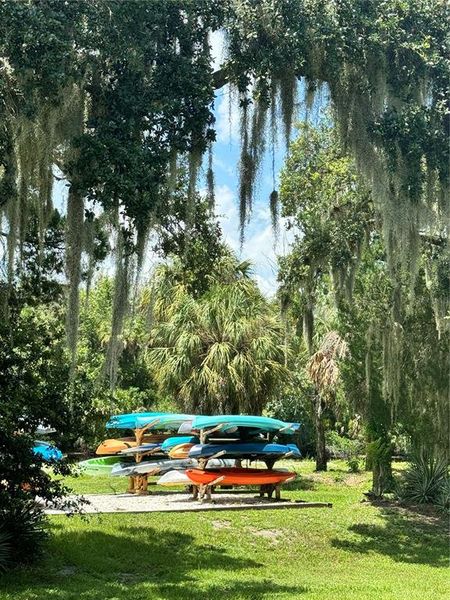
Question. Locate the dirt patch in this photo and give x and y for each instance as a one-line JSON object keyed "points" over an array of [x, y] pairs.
{"points": [[221, 524], [273, 535]]}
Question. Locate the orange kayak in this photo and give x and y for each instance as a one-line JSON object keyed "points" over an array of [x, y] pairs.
{"points": [[114, 446], [180, 451], [237, 476]]}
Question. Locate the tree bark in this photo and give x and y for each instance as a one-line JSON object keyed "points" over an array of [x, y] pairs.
{"points": [[321, 452]]}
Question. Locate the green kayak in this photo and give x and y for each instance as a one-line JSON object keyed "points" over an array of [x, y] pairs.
{"points": [[99, 466]]}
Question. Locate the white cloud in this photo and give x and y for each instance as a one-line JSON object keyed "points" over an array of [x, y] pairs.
{"points": [[217, 42], [227, 116], [260, 245]]}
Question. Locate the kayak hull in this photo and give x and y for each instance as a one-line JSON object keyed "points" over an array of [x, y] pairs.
{"points": [[180, 451], [99, 466], [236, 476], [230, 422], [47, 451], [173, 441], [245, 450], [116, 445]]}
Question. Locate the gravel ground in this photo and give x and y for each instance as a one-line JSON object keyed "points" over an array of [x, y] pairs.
{"points": [[172, 502]]}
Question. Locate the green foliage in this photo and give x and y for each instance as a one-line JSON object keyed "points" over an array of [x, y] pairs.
{"points": [[23, 527], [426, 480], [222, 352], [5, 549]]}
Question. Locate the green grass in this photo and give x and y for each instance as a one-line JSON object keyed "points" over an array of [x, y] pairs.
{"points": [[354, 551]]}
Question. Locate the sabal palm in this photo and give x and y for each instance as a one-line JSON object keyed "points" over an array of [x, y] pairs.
{"points": [[220, 353]]}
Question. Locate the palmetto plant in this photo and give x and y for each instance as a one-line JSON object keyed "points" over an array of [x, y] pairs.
{"points": [[323, 370], [222, 352]]}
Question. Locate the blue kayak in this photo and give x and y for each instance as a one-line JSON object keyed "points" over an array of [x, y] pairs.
{"points": [[47, 451], [144, 449], [231, 422], [171, 442], [245, 450], [131, 420]]}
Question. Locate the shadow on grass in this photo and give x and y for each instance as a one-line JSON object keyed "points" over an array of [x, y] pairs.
{"points": [[405, 537], [141, 563]]}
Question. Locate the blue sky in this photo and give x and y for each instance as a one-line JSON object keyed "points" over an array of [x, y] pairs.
{"points": [[260, 245]]}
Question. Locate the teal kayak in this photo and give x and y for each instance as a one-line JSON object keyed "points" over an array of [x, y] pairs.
{"points": [[151, 421], [171, 442], [132, 420], [232, 422]]}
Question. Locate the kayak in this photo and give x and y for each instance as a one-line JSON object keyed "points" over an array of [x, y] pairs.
{"points": [[180, 451], [99, 466], [162, 466], [46, 451], [245, 450], [236, 476], [148, 467], [113, 446], [231, 422], [143, 449], [132, 420], [171, 442], [174, 478], [150, 421]]}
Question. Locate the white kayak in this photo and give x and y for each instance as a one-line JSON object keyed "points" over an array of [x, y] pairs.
{"points": [[174, 478], [163, 466]]}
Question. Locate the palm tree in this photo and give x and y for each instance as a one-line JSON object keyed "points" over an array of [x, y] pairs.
{"points": [[222, 352], [323, 370]]}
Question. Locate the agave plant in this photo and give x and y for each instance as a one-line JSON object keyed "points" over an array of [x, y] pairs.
{"points": [[426, 480]]}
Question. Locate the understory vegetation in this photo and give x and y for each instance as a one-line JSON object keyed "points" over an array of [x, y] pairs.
{"points": [[107, 133]]}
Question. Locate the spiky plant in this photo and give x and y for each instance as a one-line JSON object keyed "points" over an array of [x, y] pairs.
{"points": [[426, 480]]}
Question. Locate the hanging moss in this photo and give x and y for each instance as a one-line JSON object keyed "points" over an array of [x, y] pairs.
{"points": [[288, 92], [274, 211], [210, 177], [74, 248], [120, 307]]}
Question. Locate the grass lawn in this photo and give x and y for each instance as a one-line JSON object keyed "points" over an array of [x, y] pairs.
{"points": [[353, 551]]}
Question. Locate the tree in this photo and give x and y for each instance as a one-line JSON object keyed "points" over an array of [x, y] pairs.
{"points": [[221, 352], [340, 248], [323, 369], [113, 92]]}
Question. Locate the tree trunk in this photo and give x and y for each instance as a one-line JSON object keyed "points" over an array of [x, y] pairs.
{"points": [[321, 452], [379, 455]]}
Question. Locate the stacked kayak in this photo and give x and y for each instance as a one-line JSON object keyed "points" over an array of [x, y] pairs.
{"points": [[199, 451]]}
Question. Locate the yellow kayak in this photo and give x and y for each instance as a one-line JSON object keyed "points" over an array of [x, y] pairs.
{"points": [[114, 446], [180, 451]]}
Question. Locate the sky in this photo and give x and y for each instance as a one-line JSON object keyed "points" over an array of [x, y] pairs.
{"points": [[260, 246]]}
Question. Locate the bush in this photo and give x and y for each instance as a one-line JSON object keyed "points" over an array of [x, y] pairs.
{"points": [[426, 481], [23, 529], [5, 549]]}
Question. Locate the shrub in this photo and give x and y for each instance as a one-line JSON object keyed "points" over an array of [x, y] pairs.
{"points": [[354, 465], [426, 481], [23, 529], [5, 549]]}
